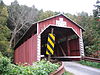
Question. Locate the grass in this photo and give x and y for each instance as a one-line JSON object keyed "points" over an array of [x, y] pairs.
{"points": [[67, 73], [90, 63]]}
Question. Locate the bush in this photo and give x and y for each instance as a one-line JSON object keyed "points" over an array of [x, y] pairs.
{"points": [[44, 67], [4, 65], [39, 68], [91, 51]]}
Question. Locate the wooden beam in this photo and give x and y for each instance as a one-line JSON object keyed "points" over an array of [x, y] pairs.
{"points": [[62, 49], [68, 46]]}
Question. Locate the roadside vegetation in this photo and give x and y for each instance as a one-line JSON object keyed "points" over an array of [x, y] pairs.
{"points": [[67, 73], [39, 68], [90, 63]]}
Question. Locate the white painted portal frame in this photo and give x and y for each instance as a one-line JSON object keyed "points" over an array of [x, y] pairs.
{"points": [[39, 41]]}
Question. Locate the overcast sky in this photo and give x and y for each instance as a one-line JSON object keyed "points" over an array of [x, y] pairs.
{"points": [[67, 6]]}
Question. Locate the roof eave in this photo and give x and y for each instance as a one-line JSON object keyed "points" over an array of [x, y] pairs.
{"points": [[48, 19]]}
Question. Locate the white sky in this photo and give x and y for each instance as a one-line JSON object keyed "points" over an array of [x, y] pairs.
{"points": [[67, 6]]}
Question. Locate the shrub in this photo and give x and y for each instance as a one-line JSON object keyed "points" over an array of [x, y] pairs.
{"points": [[4, 65], [39, 68], [44, 67]]}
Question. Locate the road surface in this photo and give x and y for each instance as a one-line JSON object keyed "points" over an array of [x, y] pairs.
{"points": [[78, 69]]}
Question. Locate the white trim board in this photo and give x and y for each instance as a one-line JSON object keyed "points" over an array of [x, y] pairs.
{"points": [[39, 39]]}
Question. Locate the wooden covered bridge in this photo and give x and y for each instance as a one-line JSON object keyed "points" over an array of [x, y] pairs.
{"points": [[33, 44]]}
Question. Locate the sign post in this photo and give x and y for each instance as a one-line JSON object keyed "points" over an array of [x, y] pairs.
{"points": [[50, 44]]}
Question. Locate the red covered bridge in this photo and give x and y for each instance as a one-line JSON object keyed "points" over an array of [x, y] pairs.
{"points": [[68, 40]]}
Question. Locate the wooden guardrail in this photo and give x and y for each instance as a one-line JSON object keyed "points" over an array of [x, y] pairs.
{"points": [[91, 59]]}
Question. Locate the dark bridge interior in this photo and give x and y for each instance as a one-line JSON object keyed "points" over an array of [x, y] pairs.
{"points": [[66, 42]]}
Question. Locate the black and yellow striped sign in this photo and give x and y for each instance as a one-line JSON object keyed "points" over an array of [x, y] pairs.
{"points": [[50, 44]]}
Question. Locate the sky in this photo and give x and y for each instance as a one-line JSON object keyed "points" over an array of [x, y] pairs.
{"points": [[67, 6]]}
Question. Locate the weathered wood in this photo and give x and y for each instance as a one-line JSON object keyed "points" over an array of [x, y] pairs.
{"points": [[91, 59], [62, 50]]}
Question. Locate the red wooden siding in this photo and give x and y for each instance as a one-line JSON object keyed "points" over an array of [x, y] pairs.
{"points": [[26, 49], [44, 24], [74, 47], [26, 52]]}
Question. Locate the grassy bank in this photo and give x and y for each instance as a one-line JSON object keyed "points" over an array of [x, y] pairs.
{"points": [[89, 63], [67, 73]]}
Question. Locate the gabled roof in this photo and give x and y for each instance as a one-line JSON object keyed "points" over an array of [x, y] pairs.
{"points": [[34, 24], [63, 16]]}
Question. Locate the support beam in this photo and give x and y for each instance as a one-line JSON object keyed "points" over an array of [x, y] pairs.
{"points": [[68, 45], [62, 50]]}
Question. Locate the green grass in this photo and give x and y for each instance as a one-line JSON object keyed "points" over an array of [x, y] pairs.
{"points": [[90, 63], [67, 73]]}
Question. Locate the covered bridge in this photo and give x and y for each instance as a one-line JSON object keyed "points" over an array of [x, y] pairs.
{"points": [[68, 40]]}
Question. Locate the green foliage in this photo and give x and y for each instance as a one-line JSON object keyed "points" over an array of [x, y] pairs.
{"points": [[43, 15], [4, 65], [39, 68], [4, 32], [3, 15], [45, 67], [67, 73], [92, 38], [89, 63]]}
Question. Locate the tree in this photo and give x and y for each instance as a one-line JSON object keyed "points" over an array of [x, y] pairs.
{"points": [[42, 15], [96, 12], [20, 18], [4, 31]]}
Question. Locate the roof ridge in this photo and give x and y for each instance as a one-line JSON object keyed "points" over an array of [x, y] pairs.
{"points": [[59, 15]]}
